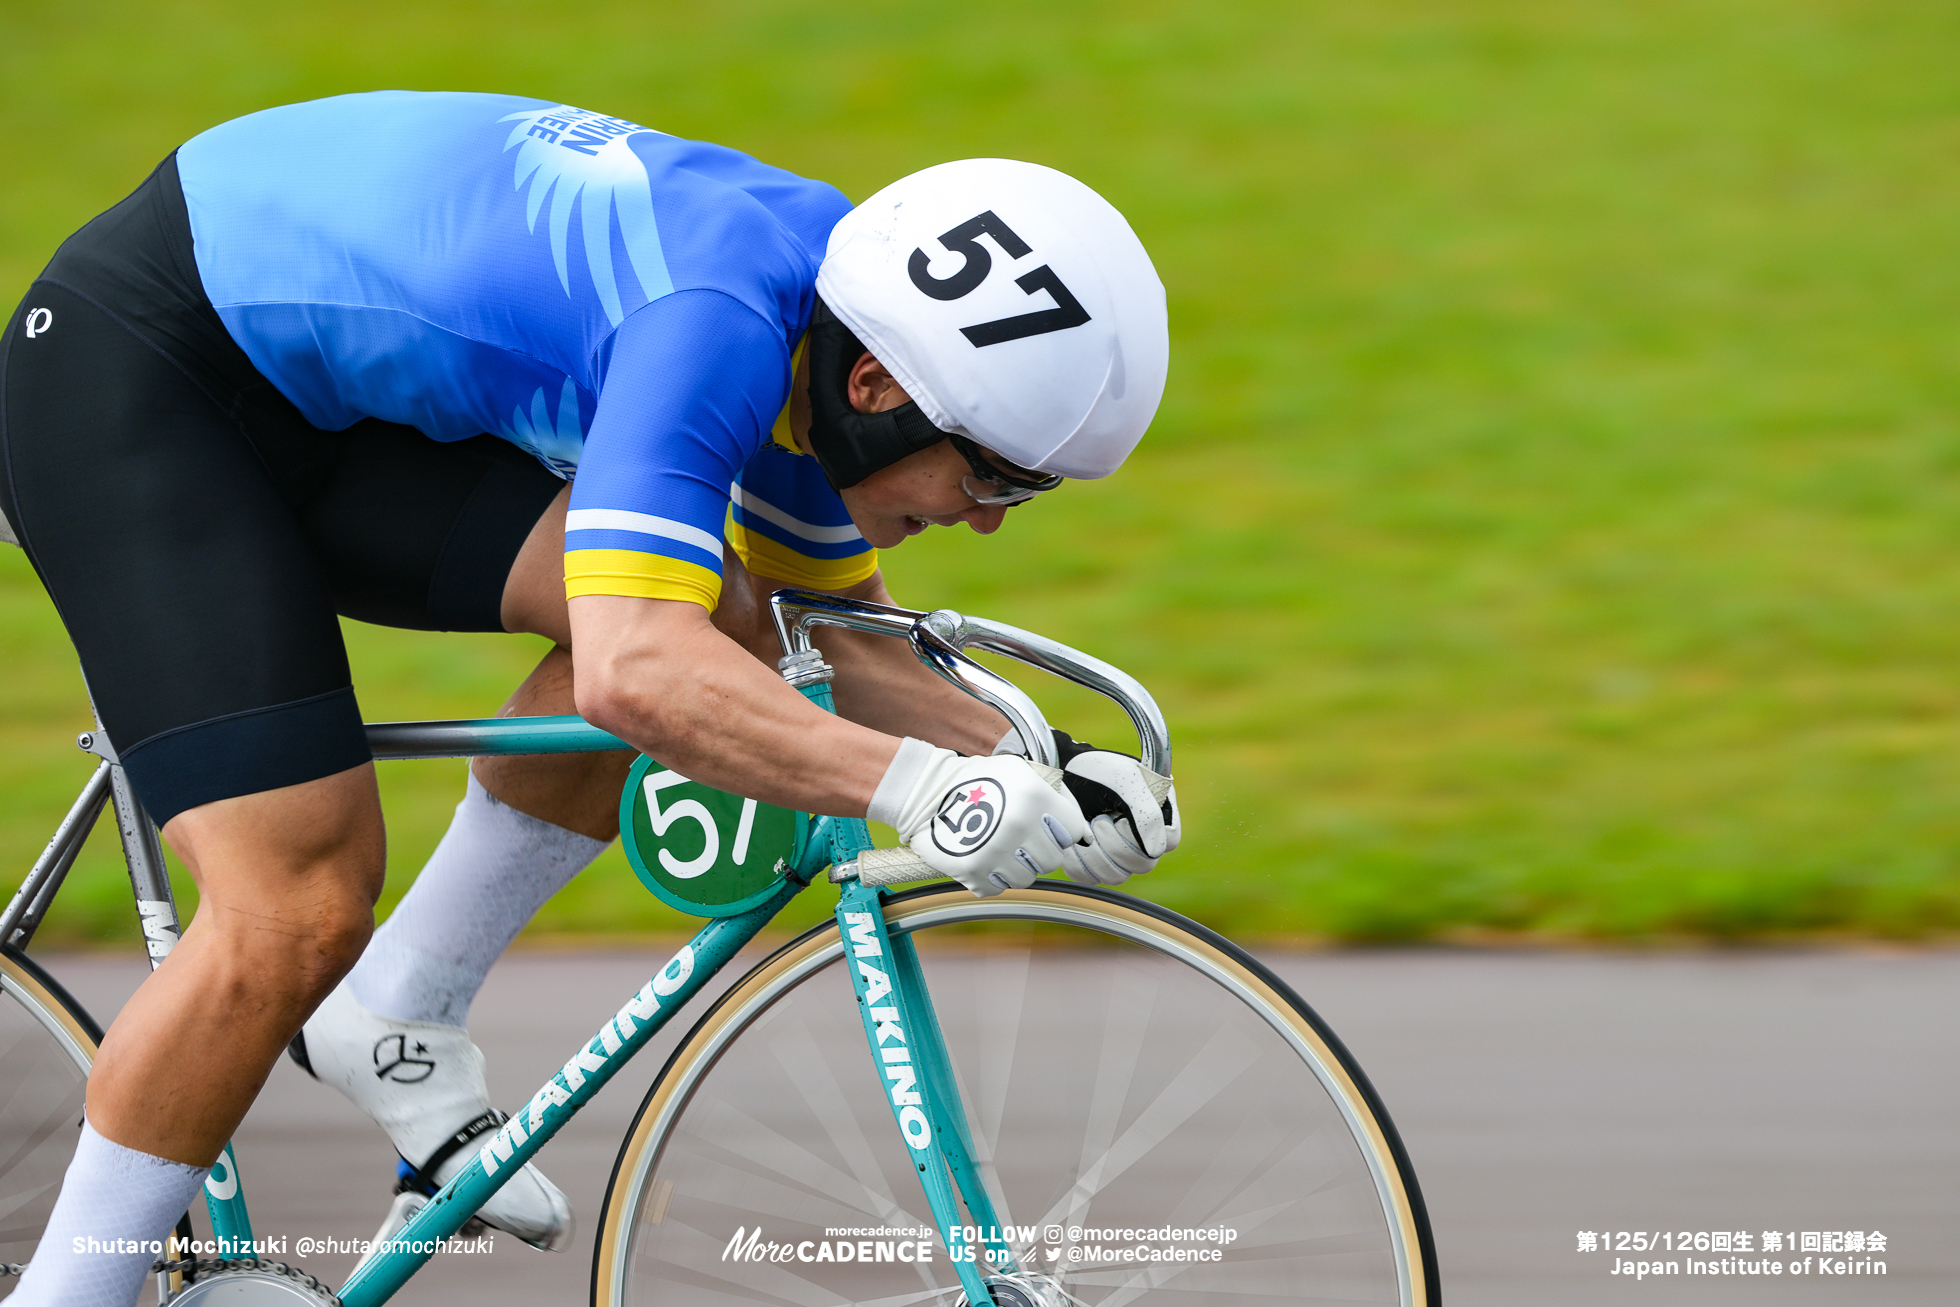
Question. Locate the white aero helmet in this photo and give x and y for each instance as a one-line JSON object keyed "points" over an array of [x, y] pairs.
{"points": [[1013, 304]]}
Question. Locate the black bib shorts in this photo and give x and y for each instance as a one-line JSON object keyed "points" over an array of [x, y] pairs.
{"points": [[198, 536]]}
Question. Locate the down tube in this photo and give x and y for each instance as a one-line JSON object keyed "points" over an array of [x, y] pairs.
{"points": [[506, 1151]]}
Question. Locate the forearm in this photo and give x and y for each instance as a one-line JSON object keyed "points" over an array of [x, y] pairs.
{"points": [[881, 684], [660, 676]]}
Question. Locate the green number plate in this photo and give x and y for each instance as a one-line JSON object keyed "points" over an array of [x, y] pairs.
{"points": [[704, 851]]}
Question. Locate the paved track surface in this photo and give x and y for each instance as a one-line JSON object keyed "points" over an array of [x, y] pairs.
{"points": [[1539, 1094]]}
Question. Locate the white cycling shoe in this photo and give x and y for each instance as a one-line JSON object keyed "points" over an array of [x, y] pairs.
{"points": [[423, 1084]]}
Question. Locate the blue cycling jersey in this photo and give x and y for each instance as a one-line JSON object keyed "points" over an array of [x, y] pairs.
{"points": [[620, 302]]}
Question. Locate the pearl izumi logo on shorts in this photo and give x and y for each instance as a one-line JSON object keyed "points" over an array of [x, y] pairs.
{"points": [[967, 816], [394, 1060], [38, 322]]}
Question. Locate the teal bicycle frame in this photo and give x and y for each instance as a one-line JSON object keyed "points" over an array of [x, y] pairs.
{"points": [[901, 1029]]}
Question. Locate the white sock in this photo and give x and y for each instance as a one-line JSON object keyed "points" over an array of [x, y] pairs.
{"points": [[494, 869], [109, 1193]]}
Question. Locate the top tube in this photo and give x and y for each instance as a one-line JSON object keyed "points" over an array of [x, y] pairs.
{"points": [[489, 737]]}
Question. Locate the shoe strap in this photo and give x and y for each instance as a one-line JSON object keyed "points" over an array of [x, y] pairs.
{"points": [[421, 1179]]}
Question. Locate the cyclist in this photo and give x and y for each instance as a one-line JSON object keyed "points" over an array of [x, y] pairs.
{"points": [[343, 357]]}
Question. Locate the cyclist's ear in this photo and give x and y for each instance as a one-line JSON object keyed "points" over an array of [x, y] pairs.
{"points": [[871, 388]]}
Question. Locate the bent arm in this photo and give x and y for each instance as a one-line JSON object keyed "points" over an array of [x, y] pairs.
{"points": [[656, 673], [674, 683]]}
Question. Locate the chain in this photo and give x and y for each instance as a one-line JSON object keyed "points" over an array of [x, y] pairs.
{"points": [[203, 1266]]}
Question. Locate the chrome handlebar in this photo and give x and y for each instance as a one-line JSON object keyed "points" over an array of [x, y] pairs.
{"points": [[940, 640]]}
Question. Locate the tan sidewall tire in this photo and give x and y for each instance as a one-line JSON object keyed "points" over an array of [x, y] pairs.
{"points": [[54, 1008]]}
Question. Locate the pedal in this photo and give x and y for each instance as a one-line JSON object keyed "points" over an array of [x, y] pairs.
{"points": [[403, 1210], [407, 1182], [400, 1212]]}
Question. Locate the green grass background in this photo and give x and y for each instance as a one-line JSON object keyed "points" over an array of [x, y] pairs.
{"points": [[1553, 522]]}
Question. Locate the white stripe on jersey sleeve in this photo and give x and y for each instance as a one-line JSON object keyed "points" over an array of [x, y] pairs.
{"points": [[620, 519], [768, 512]]}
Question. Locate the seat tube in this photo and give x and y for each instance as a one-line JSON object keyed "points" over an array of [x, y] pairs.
{"points": [[156, 906], [224, 1198]]}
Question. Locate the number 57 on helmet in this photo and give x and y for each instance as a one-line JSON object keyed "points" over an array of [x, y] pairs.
{"points": [[1012, 303]]}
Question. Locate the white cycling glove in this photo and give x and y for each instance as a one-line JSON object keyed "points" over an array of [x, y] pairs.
{"points": [[990, 823], [1134, 820]]}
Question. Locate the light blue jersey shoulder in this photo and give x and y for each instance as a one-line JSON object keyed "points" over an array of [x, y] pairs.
{"points": [[615, 300], [461, 263]]}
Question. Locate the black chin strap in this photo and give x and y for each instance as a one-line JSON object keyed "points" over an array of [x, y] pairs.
{"points": [[850, 445]]}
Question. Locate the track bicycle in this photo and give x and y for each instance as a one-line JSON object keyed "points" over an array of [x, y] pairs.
{"points": [[1057, 1097]]}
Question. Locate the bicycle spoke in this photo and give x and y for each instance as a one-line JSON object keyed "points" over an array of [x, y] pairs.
{"points": [[776, 1155], [1006, 987], [1202, 1078], [693, 1261], [1124, 1027], [805, 1068]]}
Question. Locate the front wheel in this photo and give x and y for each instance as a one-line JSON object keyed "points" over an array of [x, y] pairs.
{"points": [[1156, 1114]]}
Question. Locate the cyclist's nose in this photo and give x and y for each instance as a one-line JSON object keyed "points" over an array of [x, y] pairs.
{"points": [[985, 518]]}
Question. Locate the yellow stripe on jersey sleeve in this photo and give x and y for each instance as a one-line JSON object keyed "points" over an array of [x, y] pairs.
{"points": [[762, 555], [636, 575]]}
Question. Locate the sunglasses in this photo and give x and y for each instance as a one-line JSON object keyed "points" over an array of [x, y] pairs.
{"points": [[990, 483]]}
